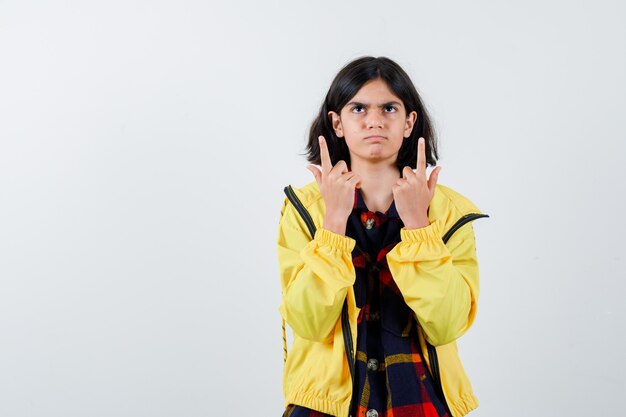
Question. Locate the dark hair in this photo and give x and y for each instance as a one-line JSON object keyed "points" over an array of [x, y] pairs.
{"points": [[346, 85]]}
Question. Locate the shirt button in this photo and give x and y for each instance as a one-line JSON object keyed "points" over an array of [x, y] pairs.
{"points": [[372, 364], [371, 413]]}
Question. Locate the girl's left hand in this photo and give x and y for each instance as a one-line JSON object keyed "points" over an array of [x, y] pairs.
{"points": [[412, 193]]}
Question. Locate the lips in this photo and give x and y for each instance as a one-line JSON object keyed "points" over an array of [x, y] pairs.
{"points": [[374, 138]]}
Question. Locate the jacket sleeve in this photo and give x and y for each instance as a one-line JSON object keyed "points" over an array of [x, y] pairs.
{"points": [[315, 276], [438, 281]]}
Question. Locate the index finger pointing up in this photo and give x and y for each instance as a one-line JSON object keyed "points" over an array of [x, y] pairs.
{"points": [[327, 164], [421, 156]]}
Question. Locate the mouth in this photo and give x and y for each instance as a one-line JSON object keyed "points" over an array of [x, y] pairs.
{"points": [[374, 138]]}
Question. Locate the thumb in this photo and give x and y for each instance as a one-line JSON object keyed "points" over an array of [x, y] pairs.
{"points": [[316, 173], [433, 177]]}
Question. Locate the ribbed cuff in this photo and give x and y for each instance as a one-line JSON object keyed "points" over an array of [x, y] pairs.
{"points": [[335, 240], [432, 231]]}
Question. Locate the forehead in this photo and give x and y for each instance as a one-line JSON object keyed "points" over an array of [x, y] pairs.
{"points": [[375, 90]]}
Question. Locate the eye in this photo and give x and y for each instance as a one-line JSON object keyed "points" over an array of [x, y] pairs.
{"points": [[357, 107], [393, 109]]}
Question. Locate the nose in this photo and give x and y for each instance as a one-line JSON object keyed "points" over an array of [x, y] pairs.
{"points": [[374, 120]]}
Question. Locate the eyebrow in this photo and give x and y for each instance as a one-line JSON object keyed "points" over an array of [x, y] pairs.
{"points": [[387, 104]]}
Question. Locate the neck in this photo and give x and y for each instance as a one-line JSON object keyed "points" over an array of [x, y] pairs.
{"points": [[376, 182]]}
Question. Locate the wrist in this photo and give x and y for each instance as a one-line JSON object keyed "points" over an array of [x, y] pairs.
{"points": [[335, 224], [417, 223]]}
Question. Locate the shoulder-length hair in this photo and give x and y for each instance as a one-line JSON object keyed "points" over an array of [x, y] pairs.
{"points": [[346, 85]]}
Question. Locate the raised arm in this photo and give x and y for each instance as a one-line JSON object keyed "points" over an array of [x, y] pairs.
{"points": [[314, 275], [439, 282]]}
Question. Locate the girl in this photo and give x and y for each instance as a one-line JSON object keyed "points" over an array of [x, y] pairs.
{"points": [[376, 252]]}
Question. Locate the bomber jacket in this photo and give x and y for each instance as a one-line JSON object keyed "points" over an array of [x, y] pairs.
{"points": [[435, 267]]}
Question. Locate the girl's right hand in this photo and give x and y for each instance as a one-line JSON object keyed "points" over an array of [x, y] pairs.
{"points": [[337, 186]]}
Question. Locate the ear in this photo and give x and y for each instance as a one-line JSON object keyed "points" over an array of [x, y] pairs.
{"points": [[410, 122], [336, 122]]}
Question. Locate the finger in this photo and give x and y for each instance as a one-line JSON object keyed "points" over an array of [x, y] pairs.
{"points": [[340, 167], [346, 176], [316, 173], [432, 180], [421, 157], [324, 156], [353, 181], [353, 175], [407, 172], [401, 182]]}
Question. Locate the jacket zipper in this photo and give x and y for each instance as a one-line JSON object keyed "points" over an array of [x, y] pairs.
{"points": [[432, 352], [347, 338], [345, 320], [465, 219], [301, 210]]}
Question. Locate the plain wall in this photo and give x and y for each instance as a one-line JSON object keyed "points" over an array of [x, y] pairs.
{"points": [[144, 147]]}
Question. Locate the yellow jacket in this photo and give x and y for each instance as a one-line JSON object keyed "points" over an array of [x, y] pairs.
{"points": [[439, 282]]}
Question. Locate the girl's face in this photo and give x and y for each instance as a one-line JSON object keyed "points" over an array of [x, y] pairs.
{"points": [[374, 123]]}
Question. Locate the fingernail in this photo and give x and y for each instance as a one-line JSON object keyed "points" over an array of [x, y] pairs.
{"points": [[421, 140]]}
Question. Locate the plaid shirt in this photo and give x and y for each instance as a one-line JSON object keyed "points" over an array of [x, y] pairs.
{"points": [[391, 377]]}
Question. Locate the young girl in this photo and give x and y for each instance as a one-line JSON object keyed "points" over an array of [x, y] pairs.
{"points": [[387, 258]]}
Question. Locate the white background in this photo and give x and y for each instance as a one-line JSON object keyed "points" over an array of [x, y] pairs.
{"points": [[145, 147]]}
